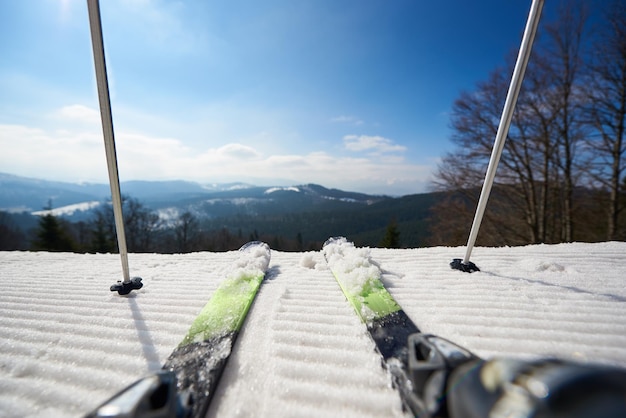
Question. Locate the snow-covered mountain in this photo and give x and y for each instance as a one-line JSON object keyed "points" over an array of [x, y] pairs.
{"points": [[310, 211], [168, 197], [30, 194]]}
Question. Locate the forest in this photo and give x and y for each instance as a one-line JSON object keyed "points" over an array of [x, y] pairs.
{"points": [[373, 225]]}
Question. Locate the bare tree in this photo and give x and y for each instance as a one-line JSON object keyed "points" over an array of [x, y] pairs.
{"points": [[140, 226], [607, 110], [515, 207], [185, 231], [563, 52], [543, 160]]}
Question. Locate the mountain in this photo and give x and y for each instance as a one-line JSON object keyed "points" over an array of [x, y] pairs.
{"points": [[255, 201], [21, 194], [310, 212], [24, 194]]}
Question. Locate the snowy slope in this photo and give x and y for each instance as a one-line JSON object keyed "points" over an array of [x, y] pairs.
{"points": [[67, 343]]}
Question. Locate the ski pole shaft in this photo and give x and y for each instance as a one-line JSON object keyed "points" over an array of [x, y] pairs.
{"points": [[97, 43], [505, 120]]}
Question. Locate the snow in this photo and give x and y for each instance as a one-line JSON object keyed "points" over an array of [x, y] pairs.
{"points": [[341, 199], [358, 273], [69, 209], [168, 215], [279, 189], [257, 261], [68, 343], [239, 201]]}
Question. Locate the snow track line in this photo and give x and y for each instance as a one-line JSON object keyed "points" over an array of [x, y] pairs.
{"points": [[36, 357], [309, 362]]}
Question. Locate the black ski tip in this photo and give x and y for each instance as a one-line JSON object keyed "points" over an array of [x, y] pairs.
{"points": [[152, 396], [124, 288], [469, 267]]}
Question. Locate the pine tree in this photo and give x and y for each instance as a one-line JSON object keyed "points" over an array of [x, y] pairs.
{"points": [[52, 236], [392, 236]]}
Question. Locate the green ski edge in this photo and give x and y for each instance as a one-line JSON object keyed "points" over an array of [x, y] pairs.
{"points": [[359, 279], [227, 309]]}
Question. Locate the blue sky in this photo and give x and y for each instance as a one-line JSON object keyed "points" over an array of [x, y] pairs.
{"points": [[352, 94]]}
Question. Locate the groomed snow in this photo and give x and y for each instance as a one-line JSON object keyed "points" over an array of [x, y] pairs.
{"points": [[67, 343]]}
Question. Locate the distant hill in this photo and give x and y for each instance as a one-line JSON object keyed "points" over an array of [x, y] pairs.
{"points": [[23, 194], [18, 194], [310, 212]]}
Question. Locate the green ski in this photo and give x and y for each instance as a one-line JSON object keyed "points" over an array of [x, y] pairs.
{"points": [[187, 382], [386, 322]]}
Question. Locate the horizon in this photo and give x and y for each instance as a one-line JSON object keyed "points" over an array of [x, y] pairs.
{"points": [[354, 96], [207, 185]]}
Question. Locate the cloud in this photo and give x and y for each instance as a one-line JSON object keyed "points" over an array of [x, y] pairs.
{"points": [[79, 113], [55, 155], [376, 144], [238, 151], [78, 155], [347, 119]]}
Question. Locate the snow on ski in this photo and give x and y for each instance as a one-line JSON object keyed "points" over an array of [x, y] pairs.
{"points": [[387, 324], [190, 375]]}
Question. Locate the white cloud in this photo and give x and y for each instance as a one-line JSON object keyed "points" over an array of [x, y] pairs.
{"points": [[58, 155], [376, 144], [238, 151], [347, 119], [79, 155], [79, 113]]}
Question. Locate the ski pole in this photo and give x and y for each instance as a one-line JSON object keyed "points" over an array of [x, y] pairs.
{"points": [[97, 43], [503, 130]]}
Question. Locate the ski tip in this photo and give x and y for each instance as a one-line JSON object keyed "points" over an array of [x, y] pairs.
{"points": [[256, 256], [469, 267], [249, 245], [124, 288], [334, 240]]}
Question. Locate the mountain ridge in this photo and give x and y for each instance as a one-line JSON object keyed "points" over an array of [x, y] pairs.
{"points": [[18, 194], [311, 212]]}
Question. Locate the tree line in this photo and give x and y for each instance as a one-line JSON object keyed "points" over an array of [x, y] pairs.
{"points": [[561, 175], [146, 231]]}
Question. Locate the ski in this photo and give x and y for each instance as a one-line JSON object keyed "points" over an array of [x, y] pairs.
{"points": [[437, 378], [408, 355], [187, 382]]}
